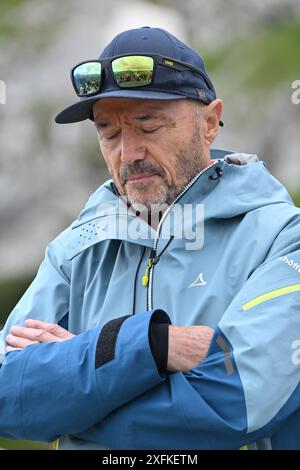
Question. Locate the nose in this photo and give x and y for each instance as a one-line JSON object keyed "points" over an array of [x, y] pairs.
{"points": [[131, 146]]}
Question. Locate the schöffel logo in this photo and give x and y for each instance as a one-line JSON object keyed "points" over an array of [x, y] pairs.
{"points": [[290, 262]]}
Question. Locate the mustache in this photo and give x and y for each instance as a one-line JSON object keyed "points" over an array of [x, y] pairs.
{"points": [[138, 167]]}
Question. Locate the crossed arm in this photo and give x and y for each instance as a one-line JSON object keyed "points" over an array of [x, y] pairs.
{"points": [[55, 388], [61, 384], [187, 345]]}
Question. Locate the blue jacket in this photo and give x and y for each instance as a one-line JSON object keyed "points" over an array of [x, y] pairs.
{"points": [[102, 388]]}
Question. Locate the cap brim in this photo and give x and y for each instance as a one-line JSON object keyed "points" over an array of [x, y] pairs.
{"points": [[83, 109]]}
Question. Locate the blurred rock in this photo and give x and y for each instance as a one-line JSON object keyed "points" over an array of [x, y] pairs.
{"points": [[219, 22]]}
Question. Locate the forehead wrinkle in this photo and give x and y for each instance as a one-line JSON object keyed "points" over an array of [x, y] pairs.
{"points": [[121, 110], [102, 124]]}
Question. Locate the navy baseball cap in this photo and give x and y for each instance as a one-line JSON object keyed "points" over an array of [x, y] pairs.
{"points": [[168, 84]]}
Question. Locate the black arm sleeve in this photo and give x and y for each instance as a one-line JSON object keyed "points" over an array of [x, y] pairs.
{"points": [[159, 342]]}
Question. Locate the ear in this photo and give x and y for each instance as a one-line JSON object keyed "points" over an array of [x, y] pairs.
{"points": [[212, 116]]}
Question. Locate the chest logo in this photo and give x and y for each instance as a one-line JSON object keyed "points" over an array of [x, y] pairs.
{"points": [[199, 281]]}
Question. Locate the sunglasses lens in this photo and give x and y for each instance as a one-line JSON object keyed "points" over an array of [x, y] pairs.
{"points": [[133, 71], [87, 78]]}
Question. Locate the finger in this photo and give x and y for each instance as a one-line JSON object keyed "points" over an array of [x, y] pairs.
{"points": [[52, 328], [9, 349], [17, 342], [33, 334]]}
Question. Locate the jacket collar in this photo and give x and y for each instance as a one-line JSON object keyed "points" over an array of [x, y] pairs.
{"points": [[106, 217]]}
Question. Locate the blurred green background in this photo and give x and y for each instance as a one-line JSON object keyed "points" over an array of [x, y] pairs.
{"points": [[47, 172]]}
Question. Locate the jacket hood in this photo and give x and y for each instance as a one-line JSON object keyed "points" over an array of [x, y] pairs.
{"points": [[243, 188]]}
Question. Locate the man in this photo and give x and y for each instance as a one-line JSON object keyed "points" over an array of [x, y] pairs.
{"points": [[167, 315]]}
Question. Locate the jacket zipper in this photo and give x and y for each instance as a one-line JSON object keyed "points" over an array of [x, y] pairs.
{"points": [[147, 279]]}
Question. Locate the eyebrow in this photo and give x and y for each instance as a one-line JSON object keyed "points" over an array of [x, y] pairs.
{"points": [[149, 117]]}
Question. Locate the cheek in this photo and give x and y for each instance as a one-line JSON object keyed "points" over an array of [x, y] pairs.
{"points": [[165, 156], [110, 160], [170, 170], [109, 166]]}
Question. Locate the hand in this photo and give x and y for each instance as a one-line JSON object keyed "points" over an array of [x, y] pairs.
{"points": [[188, 346], [35, 331]]}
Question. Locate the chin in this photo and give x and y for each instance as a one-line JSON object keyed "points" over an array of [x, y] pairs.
{"points": [[147, 195], [139, 203]]}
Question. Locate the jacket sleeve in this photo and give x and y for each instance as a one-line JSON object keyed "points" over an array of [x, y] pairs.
{"points": [[47, 390], [247, 386], [51, 389]]}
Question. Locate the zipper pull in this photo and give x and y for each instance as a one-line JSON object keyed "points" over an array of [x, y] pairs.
{"points": [[145, 278]]}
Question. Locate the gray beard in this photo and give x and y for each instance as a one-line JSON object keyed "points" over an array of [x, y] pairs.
{"points": [[190, 161]]}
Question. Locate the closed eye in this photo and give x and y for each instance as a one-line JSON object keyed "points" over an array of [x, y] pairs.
{"points": [[111, 137], [150, 131]]}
